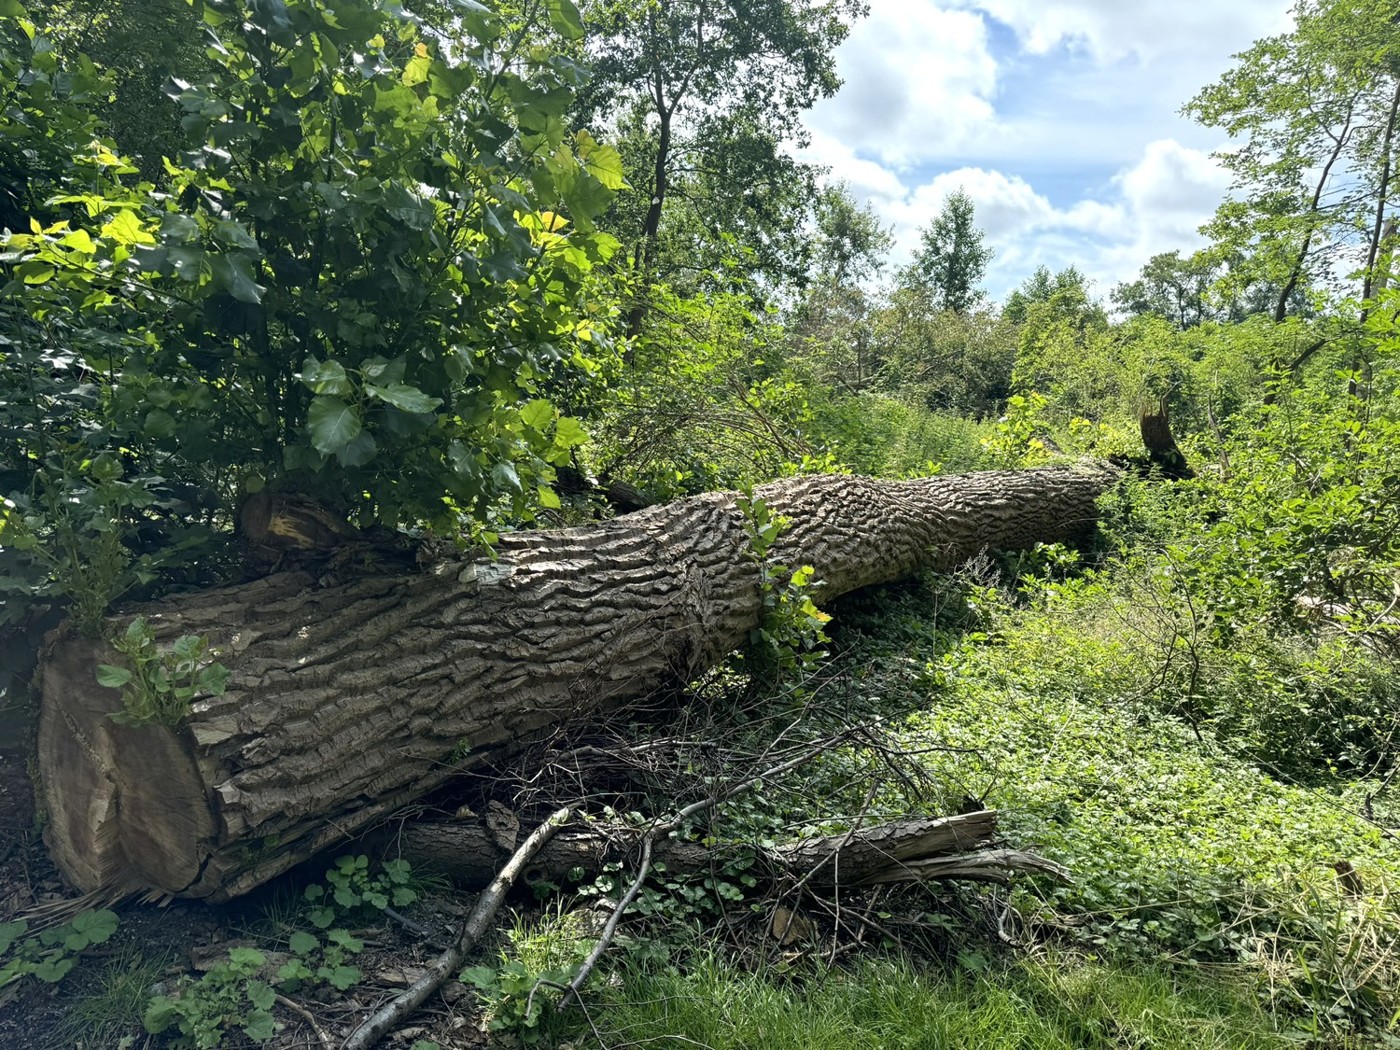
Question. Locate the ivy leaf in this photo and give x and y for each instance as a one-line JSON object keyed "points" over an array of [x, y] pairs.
{"points": [[333, 424]]}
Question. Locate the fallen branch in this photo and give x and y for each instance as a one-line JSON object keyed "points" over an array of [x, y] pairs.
{"points": [[664, 829], [393, 1013]]}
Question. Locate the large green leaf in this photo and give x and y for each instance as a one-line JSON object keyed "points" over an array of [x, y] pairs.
{"points": [[333, 424], [326, 377], [564, 17], [404, 397]]}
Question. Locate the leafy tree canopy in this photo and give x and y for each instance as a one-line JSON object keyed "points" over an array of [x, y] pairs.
{"points": [[952, 258], [354, 283]]}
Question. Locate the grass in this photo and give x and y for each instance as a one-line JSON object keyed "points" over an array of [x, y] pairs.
{"points": [[108, 1003], [1055, 1003]]}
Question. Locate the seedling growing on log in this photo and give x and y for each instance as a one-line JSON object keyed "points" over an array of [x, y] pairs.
{"points": [[157, 687]]}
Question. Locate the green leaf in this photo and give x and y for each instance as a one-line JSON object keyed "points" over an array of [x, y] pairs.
{"points": [[160, 1015], [234, 274], [12, 9], [302, 942], [261, 995], [482, 977], [333, 424], [537, 414], [506, 476], [564, 17], [549, 498], [602, 162], [404, 397], [111, 676], [11, 932], [343, 977], [326, 377], [53, 970], [260, 1026]]}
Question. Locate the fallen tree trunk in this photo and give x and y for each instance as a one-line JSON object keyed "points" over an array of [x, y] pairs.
{"points": [[904, 851], [348, 700]]}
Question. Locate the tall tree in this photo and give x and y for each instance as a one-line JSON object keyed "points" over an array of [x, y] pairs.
{"points": [[1314, 112], [702, 95], [834, 316], [952, 258]]}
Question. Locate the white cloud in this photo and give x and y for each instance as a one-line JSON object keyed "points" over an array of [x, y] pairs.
{"points": [[917, 77], [1154, 205], [1116, 29], [1059, 117]]}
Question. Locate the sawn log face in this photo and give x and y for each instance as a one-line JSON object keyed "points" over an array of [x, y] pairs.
{"points": [[347, 701]]}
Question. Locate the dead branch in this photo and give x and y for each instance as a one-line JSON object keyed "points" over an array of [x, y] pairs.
{"points": [[393, 1013]]}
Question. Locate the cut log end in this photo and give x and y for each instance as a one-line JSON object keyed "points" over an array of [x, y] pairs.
{"points": [[125, 805]]}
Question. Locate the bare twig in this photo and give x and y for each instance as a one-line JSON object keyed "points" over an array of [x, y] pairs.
{"points": [[391, 1014], [307, 1016], [657, 831]]}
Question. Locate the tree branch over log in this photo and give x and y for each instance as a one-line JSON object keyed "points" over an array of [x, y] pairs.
{"points": [[347, 700]]}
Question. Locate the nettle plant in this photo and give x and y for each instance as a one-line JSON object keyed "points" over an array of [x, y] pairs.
{"points": [[363, 279]]}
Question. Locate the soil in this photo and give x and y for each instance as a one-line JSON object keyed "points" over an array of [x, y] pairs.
{"points": [[180, 938]]}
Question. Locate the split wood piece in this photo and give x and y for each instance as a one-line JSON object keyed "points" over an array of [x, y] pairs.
{"points": [[347, 701], [903, 851], [392, 1014]]}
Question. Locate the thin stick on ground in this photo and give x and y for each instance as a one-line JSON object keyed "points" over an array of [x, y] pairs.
{"points": [[394, 1012], [310, 1018]]}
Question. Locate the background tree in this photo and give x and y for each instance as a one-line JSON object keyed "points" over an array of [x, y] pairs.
{"points": [[833, 317], [701, 97], [951, 259], [1314, 111]]}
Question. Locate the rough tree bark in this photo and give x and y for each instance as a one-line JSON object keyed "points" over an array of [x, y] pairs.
{"points": [[349, 699]]}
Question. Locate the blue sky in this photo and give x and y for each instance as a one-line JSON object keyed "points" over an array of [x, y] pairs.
{"points": [[1059, 117]]}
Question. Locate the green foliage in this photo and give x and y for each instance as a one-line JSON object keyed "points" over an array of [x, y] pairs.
{"points": [[351, 887], [519, 991], [238, 992], [229, 996], [791, 629], [50, 954], [157, 686], [1312, 112], [703, 146], [951, 259], [358, 281]]}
